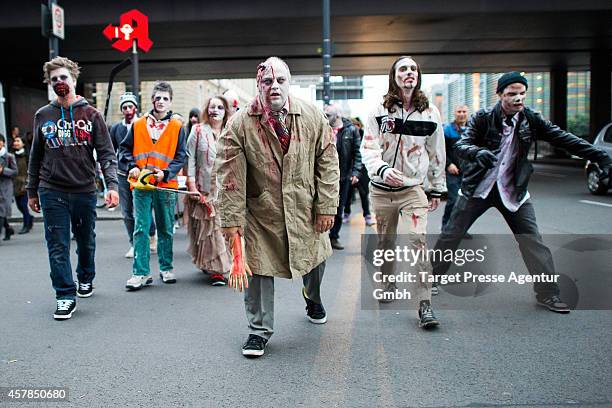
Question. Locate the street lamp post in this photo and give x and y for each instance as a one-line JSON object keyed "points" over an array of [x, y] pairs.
{"points": [[326, 53], [135, 78]]}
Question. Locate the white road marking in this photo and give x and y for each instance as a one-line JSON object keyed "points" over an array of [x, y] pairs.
{"points": [[596, 203]]}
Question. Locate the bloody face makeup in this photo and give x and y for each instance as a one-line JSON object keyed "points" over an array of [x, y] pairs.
{"points": [[513, 98], [128, 110], [62, 82], [406, 73], [161, 102], [273, 84], [216, 110]]}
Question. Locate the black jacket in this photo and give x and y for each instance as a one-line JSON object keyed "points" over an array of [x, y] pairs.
{"points": [[484, 132], [348, 140], [118, 132]]}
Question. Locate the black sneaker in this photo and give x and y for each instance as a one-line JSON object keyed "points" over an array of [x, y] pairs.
{"points": [[84, 289], [65, 308], [254, 346], [335, 243], [435, 289], [553, 303], [426, 316], [314, 311]]}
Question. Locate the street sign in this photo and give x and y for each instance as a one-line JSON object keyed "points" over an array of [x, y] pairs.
{"points": [[133, 26], [57, 17]]}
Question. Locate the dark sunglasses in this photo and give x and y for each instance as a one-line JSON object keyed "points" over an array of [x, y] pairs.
{"points": [[159, 98]]}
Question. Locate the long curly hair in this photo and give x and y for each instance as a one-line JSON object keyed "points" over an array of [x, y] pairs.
{"points": [[394, 93]]}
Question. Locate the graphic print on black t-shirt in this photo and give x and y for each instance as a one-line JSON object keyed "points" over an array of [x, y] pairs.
{"points": [[409, 127]]}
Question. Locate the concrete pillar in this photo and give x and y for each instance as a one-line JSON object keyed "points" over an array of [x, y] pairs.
{"points": [[600, 89], [558, 97]]}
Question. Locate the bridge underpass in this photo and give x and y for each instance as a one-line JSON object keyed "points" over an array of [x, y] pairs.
{"points": [[227, 40]]}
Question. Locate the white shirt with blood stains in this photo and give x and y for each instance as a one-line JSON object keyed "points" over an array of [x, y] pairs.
{"points": [[417, 157]]}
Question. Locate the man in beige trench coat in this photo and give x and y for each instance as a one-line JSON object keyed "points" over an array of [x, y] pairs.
{"points": [[279, 178]]}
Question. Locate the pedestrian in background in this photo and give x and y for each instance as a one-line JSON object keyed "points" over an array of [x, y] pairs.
{"points": [[206, 243], [8, 171], [346, 138], [194, 119], [232, 101], [15, 133], [21, 196], [452, 133], [362, 187]]}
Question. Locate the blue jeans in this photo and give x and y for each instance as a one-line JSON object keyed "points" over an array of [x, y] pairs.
{"points": [[453, 183], [22, 205], [127, 208], [61, 211]]}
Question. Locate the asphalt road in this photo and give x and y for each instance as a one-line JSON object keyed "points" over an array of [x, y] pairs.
{"points": [[179, 345]]}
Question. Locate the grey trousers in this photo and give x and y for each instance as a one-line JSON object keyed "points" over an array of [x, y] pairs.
{"points": [[259, 299]]}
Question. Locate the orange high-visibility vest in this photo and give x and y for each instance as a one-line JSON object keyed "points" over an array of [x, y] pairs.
{"points": [[149, 155]]}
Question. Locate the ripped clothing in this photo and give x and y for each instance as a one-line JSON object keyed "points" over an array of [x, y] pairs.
{"points": [[412, 206]]}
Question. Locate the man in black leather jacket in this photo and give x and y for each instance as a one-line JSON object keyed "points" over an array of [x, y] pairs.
{"points": [[347, 139], [496, 174]]}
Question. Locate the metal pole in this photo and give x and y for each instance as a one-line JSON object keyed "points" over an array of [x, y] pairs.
{"points": [[53, 40], [135, 79], [326, 53]]}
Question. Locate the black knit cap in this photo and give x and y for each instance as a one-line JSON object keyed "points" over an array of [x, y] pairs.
{"points": [[510, 78]]}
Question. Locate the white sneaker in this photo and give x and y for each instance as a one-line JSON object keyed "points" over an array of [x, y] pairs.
{"points": [[137, 282], [153, 244], [168, 276], [130, 253]]}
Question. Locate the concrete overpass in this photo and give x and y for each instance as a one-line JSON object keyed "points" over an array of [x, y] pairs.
{"points": [[196, 39]]}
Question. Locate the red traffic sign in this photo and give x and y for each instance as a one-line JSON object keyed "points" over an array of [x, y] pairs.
{"points": [[133, 26]]}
